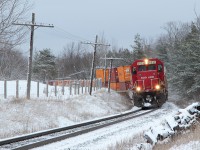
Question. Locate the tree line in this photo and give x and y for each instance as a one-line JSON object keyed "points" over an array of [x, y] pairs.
{"points": [[178, 47]]}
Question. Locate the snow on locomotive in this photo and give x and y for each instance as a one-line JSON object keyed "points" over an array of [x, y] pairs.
{"points": [[148, 86]]}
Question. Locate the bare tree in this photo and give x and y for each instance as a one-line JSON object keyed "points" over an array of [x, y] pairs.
{"points": [[12, 11], [12, 65], [12, 62], [74, 60]]}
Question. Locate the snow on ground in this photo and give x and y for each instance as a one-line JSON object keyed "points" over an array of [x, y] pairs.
{"points": [[105, 137], [21, 116]]}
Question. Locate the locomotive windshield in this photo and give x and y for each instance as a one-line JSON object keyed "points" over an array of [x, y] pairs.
{"points": [[142, 68], [146, 68], [151, 67]]}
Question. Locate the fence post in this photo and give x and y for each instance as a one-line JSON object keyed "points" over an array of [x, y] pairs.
{"points": [[63, 89], [85, 85], [78, 85], [70, 87], [74, 87], [55, 90], [47, 88], [95, 84], [5, 89], [98, 80], [17, 89], [100, 83], [38, 89], [82, 85], [88, 84]]}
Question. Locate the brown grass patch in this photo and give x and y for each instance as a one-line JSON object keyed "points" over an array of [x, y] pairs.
{"points": [[193, 134], [128, 143]]}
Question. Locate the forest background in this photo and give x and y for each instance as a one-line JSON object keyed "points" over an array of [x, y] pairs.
{"points": [[178, 47]]}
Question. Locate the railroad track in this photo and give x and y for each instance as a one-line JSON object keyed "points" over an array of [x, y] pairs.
{"points": [[49, 136]]}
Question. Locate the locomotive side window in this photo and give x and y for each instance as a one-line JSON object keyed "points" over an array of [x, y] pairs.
{"points": [[134, 70], [160, 68], [142, 68], [151, 67]]}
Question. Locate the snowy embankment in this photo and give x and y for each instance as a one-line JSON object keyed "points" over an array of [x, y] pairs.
{"points": [[21, 116], [182, 120]]}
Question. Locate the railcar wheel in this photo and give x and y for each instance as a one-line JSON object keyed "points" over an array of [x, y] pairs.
{"points": [[159, 104], [145, 108]]}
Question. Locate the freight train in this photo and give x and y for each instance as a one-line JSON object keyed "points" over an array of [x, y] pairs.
{"points": [[144, 81]]}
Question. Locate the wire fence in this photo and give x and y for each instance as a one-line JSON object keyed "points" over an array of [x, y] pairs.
{"points": [[64, 88]]}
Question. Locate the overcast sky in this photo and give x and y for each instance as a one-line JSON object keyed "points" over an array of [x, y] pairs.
{"points": [[118, 20]]}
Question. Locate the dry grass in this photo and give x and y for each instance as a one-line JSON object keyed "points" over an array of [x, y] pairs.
{"points": [[128, 143], [182, 138], [183, 103]]}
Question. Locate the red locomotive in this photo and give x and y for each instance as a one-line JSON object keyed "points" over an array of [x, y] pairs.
{"points": [[148, 86]]}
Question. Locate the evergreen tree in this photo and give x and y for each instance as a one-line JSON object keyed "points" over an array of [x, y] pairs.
{"points": [[44, 66], [162, 52], [138, 48], [187, 78]]}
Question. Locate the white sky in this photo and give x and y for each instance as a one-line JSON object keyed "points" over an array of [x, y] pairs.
{"points": [[117, 20]]}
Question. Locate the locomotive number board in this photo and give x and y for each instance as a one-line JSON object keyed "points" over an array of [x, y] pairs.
{"points": [[149, 62]]}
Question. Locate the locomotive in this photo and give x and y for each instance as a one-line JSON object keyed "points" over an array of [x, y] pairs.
{"points": [[148, 83]]}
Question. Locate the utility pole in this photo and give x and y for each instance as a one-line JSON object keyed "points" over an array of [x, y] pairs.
{"points": [[29, 74], [93, 60], [104, 73]]}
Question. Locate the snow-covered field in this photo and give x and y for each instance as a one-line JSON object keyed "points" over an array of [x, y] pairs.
{"points": [[21, 116]]}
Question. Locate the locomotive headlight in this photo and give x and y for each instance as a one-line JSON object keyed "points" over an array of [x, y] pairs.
{"points": [[146, 61], [157, 87], [138, 89]]}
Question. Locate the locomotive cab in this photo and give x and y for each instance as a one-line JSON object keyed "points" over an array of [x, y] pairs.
{"points": [[148, 83]]}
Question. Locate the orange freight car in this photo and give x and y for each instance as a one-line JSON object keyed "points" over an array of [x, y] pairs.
{"points": [[114, 86], [114, 76], [100, 74], [124, 73]]}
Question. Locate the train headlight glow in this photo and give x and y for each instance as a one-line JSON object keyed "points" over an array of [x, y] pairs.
{"points": [[157, 87], [146, 61], [138, 89]]}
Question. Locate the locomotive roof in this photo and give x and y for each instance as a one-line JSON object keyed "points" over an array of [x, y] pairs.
{"points": [[151, 59]]}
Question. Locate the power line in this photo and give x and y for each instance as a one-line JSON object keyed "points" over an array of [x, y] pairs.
{"points": [[78, 38], [95, 44], [60, 32]]}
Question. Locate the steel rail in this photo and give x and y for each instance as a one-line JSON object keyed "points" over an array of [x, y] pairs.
{"points": [[55, 139], [38, 134]]}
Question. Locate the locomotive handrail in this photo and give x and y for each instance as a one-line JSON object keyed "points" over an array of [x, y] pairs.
{"points": [[142, 83], [152, 83]]}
